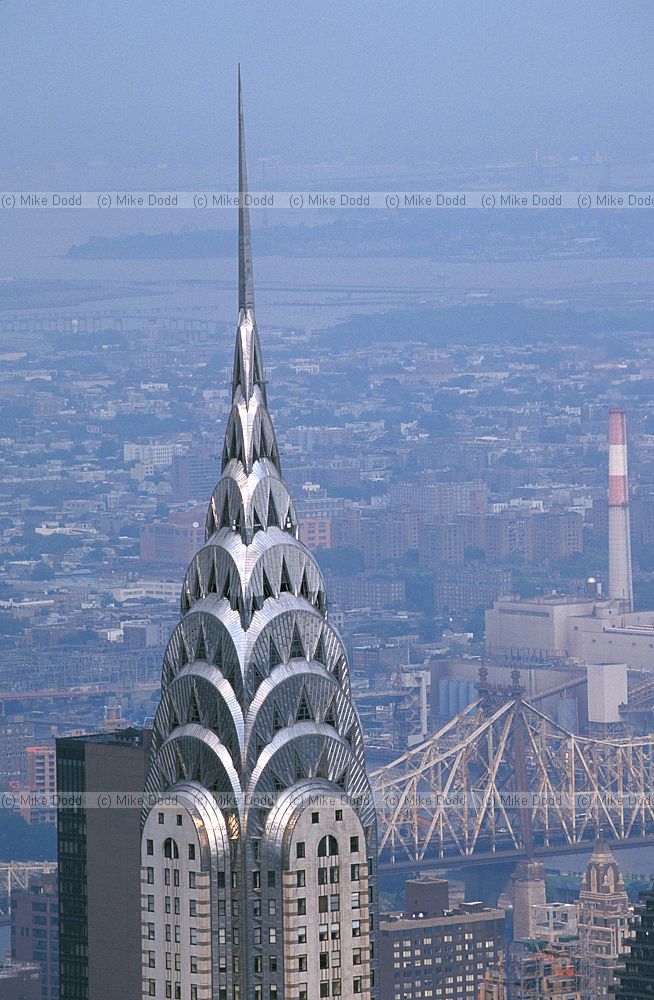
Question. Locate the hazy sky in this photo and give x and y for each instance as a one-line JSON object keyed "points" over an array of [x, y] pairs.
{"points": [[373, 81]]}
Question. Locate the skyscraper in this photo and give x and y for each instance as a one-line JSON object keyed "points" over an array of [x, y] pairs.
{"points": [[259, 882], [603, 919], [99, 863]]}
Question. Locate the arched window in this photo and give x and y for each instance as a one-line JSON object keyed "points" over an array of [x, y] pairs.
{"points": [[328, 847], [170, 849]]}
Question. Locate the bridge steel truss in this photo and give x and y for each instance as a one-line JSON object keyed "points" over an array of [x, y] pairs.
{"points": [[505, 778]]}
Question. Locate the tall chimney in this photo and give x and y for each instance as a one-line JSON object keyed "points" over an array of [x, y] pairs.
{"points": [[620, 582]]}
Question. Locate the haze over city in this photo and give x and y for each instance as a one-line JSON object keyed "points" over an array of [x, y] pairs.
{"points": [[326, 625]]}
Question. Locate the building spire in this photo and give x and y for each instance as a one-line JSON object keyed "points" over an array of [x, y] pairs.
{"points": [[245, 275], [248, 365]]}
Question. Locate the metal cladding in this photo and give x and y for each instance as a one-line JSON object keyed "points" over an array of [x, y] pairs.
{"points": [[620, 579], [256, 697]]}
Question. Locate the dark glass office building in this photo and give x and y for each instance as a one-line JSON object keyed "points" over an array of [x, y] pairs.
{"points": [[99, 867], [635, 981]]}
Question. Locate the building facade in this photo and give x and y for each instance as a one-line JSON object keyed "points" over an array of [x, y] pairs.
{"points": [[635, 976], [431, 951], [603, 919], [99, 865], [259, 873], [35, 931]]}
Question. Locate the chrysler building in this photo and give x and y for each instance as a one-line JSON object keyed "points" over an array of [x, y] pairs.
{"points": [[259, 878]]}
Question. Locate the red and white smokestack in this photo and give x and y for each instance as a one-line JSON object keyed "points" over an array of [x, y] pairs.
{"points": [[620, 582]]}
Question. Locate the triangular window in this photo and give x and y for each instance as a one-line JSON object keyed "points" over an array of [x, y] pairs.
{"points": [[277, 783], [297, 649], [300, 771], [285, 585], [193, 707], [319, 652], [224, 517], [274, 659], [278, 721], [304, 712], [183, 654], [201, 649], [273, 519], [322, 768], [341, 781], [267, 589], [331, 718]]}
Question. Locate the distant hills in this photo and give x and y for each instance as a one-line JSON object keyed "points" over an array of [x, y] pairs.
{"points": [[448, 234]]}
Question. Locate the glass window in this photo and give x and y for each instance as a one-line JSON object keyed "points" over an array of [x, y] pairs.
{"points": [[170, 849], [328, 847], [300, 849]]}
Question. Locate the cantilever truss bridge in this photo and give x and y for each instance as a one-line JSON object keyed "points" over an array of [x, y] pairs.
{"points": [[503, 778]]}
